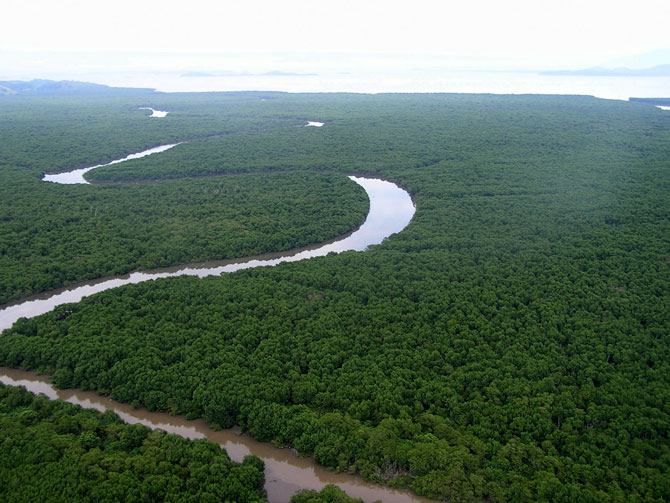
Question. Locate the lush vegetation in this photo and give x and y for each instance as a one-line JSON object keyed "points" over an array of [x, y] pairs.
{"points": [[510, 345], [52, 235], [54, 451], [329, 494], [653, 101]]}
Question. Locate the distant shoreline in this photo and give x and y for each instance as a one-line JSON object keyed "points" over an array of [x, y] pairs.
{"points": [[416, 82]]}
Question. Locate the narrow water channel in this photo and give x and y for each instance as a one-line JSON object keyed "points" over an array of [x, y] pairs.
{"points": [[285, 471], [155, 113], [76, 176], [391, 210]]}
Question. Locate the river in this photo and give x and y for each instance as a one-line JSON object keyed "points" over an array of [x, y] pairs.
{"points": [[285, 471], [155, 113], [391, 210], [76, 176]]}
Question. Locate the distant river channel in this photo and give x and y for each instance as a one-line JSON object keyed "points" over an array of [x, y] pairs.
{"points": [[391, 210]]}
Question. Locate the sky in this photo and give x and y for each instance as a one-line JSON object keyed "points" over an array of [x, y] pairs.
{"points": [[512, 33], [343, 45]]}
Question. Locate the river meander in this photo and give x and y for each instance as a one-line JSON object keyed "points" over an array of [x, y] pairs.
{"points": [[76, 176], [391, 210]]}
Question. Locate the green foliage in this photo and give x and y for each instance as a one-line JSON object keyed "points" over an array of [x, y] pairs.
{"points": [[55, 234], [329, 494], [52, 235], [54, 451], [510, 345]]}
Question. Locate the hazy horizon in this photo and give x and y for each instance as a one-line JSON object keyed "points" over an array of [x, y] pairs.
{"points": [[419, 44], [18, 65]]}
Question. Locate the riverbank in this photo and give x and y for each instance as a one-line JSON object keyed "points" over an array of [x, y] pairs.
{"points": [[285, 471]]}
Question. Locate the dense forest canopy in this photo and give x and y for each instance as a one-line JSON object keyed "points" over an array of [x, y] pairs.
{"points": [[81, 455], [52, 235], [511, 344], [329, 494]]}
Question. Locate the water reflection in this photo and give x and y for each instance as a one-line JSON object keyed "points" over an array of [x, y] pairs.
{"points": [[285, 472], [155, 113], [391, 209], [77, 175]]}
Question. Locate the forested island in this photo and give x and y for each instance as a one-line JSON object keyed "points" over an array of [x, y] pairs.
{"points": [[510, 345]]}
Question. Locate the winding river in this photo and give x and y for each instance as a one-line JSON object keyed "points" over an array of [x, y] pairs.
{"points": [[77, 175], [391, 209]]}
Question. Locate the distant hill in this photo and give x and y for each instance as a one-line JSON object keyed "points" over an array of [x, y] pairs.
{"points": [[663, 102], [654, 71], [6, 90], [63, 87]]}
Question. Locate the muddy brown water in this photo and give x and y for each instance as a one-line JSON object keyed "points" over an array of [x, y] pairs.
{"points": [[285, 471]]}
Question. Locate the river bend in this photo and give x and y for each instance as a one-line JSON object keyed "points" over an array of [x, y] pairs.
{"points": [[391, 210]]}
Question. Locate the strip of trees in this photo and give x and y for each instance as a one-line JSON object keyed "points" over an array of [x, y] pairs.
{"points": [[54, 451]]}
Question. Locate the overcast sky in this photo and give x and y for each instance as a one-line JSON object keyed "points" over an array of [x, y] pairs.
{"points": [[519, 32]]}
